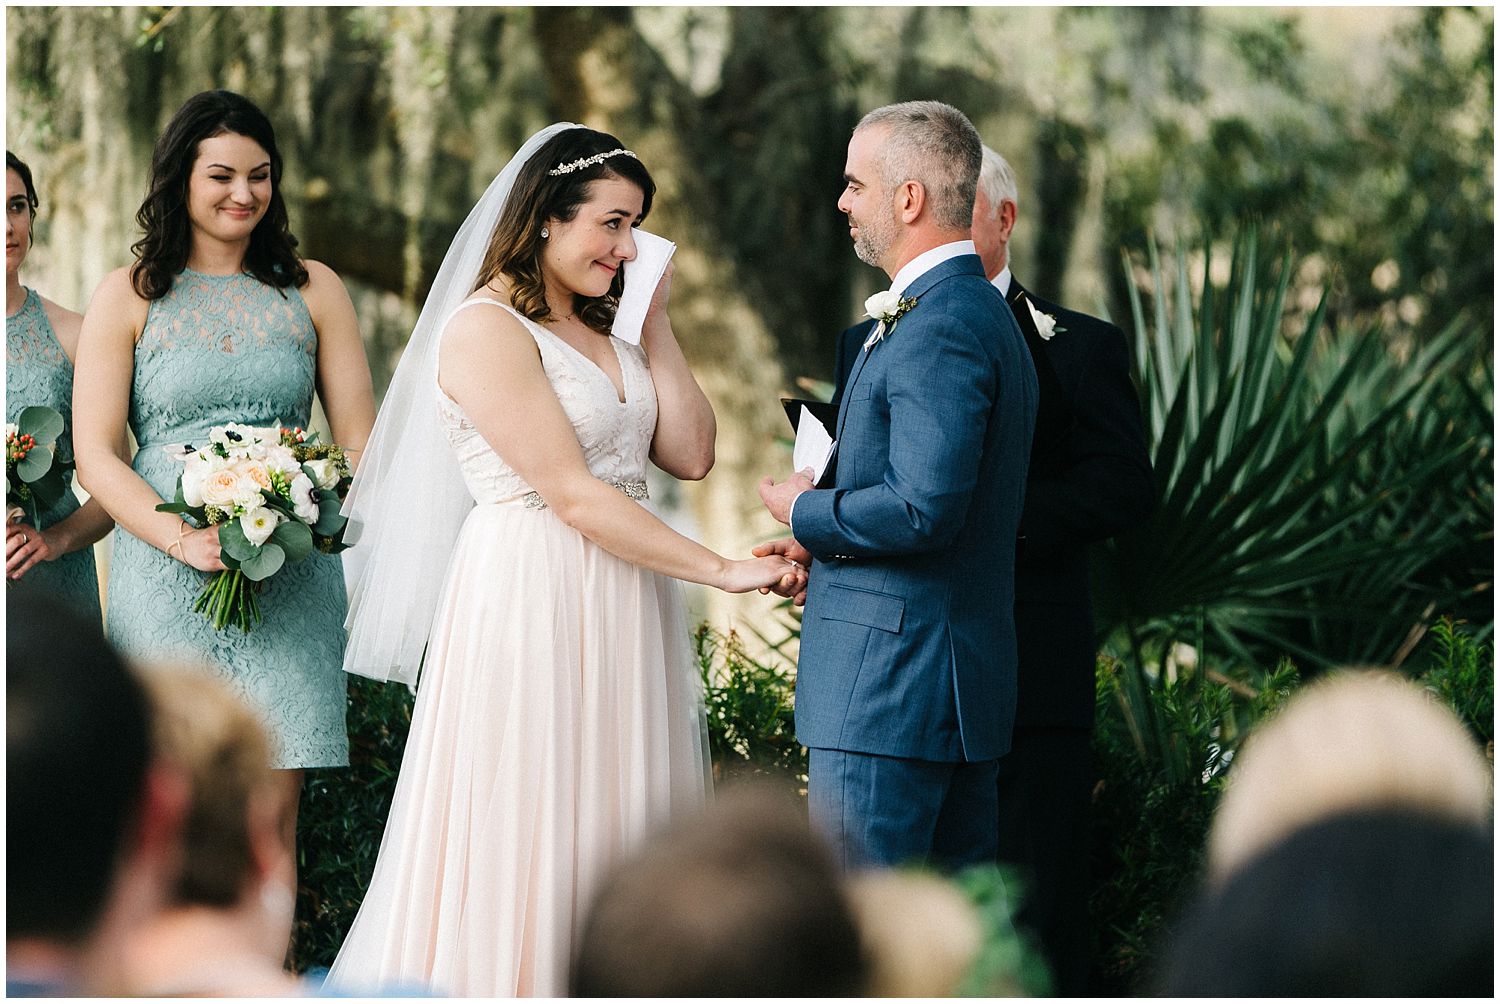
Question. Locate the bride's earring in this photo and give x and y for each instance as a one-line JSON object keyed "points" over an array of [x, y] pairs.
{"points": [[545, 234]]}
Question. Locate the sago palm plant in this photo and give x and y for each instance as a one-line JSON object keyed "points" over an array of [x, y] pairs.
{"points": [[1315, 488]]}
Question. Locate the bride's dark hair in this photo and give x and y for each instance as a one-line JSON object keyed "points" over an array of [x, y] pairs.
{"points": [[516, 245]]}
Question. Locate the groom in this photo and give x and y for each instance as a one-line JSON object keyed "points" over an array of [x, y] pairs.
{"points": [[906, 679]]}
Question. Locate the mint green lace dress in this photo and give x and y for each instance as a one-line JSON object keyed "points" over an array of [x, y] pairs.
{"points": [[220, 349], [38, 372]]}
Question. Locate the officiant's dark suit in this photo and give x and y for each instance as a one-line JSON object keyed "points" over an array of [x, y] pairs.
{"points": [[1089, 478]]}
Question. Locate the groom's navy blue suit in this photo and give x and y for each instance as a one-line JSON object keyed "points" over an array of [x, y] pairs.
{"points": [[908, 653]]}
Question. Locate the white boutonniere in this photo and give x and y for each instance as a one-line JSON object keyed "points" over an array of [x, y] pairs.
{"points": [[1046, 324], [886, 308]]}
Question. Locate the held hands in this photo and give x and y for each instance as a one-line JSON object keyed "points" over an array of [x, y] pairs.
{"points": [[25, 546], [792, 551], [200, 549], [764, 573], [778, 497]]}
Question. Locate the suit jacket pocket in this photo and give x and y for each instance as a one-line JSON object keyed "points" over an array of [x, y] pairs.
{"points": [[881, 611]]}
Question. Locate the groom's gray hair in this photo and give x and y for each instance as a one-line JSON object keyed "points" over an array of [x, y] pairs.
{"points": [[935, 145]]}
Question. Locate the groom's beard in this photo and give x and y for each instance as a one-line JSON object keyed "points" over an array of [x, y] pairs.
{"points": [[874, 240]]}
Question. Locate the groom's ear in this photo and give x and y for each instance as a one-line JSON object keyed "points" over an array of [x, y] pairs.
{"points": [[909, 200]]}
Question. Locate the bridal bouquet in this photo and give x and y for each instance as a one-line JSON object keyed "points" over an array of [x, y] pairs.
{"points": [[36, 464], [275, 496]]}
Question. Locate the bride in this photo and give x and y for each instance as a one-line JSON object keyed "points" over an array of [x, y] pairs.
{"points": [[558, 720]]}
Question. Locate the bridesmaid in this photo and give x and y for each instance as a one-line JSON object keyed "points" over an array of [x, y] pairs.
{"points": [[219, 320], [41, 342]]}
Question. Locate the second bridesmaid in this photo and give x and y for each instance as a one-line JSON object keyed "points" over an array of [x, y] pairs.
{"points": [[219, 320], [41, 342]]}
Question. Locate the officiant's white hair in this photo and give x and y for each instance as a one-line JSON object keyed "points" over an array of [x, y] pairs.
{"points": [[997, 181], [936, 145]]}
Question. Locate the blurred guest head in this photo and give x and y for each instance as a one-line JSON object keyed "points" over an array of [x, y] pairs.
{"points": [[91, 821], [234, 893], [1357, 739], [742, 900], [1378, 902], [922, 937]]}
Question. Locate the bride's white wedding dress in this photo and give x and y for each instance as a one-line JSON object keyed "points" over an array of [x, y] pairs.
{"points": [[557, 723]]}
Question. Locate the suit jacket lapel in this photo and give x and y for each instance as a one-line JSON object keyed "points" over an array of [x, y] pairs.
{"points": [[1052, 417]]}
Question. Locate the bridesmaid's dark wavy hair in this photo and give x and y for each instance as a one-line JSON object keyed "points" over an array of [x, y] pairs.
{"points": [[515, 248], [163, 252], [16, 164]]}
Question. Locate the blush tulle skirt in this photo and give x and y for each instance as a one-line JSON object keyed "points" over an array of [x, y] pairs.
{"points": [[558, 723]]}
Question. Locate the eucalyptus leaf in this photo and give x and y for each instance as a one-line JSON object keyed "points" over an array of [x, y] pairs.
{"points": [[295, 538], [264, 564], [41, 423], [232, 541]]}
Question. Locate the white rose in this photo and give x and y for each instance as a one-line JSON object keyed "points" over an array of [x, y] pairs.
{"points": [[254, 478], [303, 503], [258, 524], [221, 488], [883, 305], [11, 429], [325, 472]]}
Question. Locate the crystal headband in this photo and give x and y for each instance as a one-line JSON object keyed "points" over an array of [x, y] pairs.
{"points": [[582, 162]]}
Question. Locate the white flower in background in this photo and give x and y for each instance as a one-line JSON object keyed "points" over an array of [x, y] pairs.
{"points": [[11, 429], [1046, 324], [303, 503], [324, 472], [882, 306], [258, 524]]}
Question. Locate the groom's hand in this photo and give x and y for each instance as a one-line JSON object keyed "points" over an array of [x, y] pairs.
{"points": [[789, 549], [778, 497]]}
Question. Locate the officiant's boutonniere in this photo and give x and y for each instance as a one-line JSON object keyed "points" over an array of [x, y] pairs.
{"points": [[886, 308], [1046, 324]]}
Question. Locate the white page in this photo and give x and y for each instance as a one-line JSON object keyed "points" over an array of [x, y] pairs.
{"points": [[641, 277], [813, 446]]}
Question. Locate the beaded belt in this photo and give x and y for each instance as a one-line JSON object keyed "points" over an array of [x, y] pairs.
{"points": [[634, 489]]}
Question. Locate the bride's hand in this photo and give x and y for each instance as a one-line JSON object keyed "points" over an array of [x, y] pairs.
{"points": [[773, 572], [658, 308]]}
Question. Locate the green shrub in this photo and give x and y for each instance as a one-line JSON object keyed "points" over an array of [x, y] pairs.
{"points": [[749, 707], [1462, 673], [1163, 750]]}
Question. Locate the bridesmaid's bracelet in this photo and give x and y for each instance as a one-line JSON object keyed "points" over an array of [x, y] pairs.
{"points": [[181, 554]]}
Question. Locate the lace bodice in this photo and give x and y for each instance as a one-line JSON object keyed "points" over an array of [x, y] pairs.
{"points": [[222, 348], [615, 436], [37, 372]]}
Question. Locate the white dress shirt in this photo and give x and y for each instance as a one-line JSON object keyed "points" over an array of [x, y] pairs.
{"points": [[1002, 282]]}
